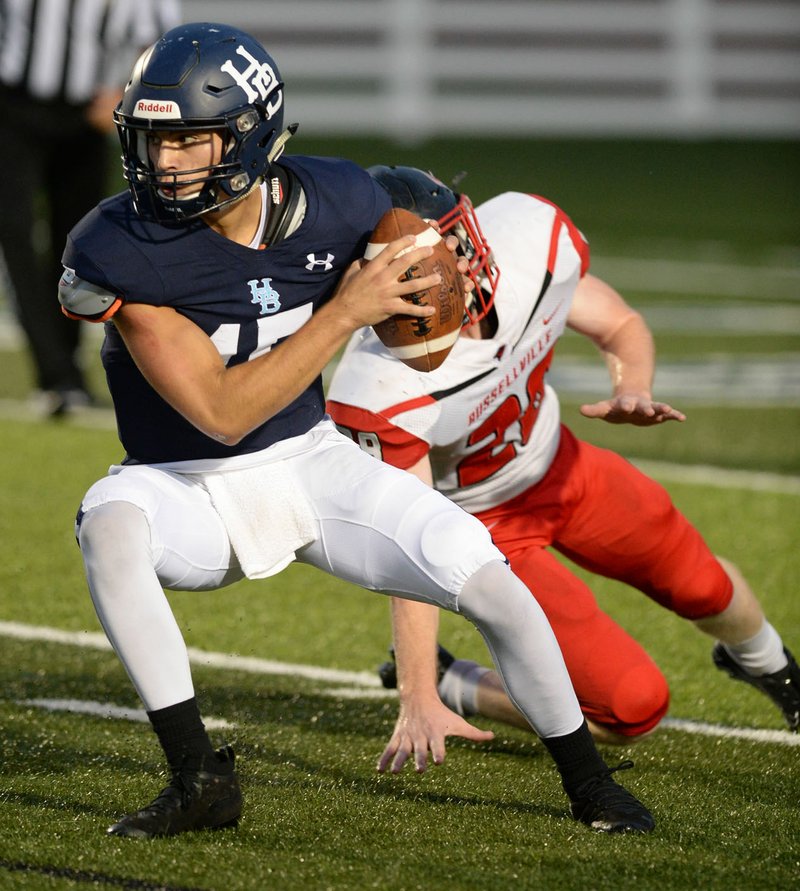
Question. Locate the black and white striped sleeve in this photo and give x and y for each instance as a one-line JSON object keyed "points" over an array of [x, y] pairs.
{"points": [[63, 50]]}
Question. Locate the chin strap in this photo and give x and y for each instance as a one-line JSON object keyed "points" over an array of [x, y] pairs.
{"points": [[285, 197], [280, 143], [287, 205]]}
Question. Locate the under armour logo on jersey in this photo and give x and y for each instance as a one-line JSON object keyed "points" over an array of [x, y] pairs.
{"points": [[265, 294], [313, 262], [258, 80]]}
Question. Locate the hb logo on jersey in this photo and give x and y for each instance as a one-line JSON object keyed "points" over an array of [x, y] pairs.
{"points": [[257, 80], [265, 294]]}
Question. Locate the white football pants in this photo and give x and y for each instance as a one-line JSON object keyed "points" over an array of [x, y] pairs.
{"points": [[144, 529]]}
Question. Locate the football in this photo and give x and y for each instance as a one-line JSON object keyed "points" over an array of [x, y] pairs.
{"points": [[423, 344]]}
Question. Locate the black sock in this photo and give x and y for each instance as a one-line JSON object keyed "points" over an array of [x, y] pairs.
{"points": [[576, 757], [183, 737]]}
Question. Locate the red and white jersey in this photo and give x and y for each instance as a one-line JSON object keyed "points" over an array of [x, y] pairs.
{"points": [[486, 417]]}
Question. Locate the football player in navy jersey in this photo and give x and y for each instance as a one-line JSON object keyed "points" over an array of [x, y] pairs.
{"points": [[227, 277]]}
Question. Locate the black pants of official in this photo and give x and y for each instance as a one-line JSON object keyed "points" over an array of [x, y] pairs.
{"points": [[54, 171]]}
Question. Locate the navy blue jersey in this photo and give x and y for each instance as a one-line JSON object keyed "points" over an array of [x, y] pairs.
{"points": [[246, 300]]}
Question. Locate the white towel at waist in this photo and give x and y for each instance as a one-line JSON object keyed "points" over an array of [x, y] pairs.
{"points": [[266, 515]]}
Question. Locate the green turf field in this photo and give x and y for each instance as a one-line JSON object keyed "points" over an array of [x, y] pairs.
{"points": [[318, 816]]}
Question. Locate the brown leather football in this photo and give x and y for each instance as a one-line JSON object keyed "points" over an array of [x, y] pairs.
{"points": [[423, 344]]}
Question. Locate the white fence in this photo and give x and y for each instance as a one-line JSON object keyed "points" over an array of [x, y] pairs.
{"points": [[409, 69]]}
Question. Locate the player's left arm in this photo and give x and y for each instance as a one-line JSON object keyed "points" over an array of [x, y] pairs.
{"points": [[424, 722], [624, 339]]}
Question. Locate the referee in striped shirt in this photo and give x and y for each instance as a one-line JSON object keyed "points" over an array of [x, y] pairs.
{"points": [[63, 64]]}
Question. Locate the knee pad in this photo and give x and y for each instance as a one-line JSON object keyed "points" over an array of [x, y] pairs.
{"points": [[638, 702], [112, 530], [109, 521], [486, 591]]}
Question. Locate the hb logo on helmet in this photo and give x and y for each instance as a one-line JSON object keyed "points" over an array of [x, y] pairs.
{"points": [[257, 80]]}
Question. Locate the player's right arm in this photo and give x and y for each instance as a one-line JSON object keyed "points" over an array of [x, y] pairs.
{"points": [[424, 721], [182, 364]]}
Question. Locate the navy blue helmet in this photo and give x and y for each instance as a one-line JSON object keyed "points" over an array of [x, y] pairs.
{"points": [[427, 196], [200, 77]]}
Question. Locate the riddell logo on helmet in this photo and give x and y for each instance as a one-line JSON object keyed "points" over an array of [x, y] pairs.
{"points": [[152, 108]]}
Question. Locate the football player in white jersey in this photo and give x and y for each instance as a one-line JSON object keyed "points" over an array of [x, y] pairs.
{"points": [[484, 429]]}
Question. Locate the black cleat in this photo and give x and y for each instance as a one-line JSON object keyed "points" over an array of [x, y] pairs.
{"points": [[387, 672], [604, 805], [197, 800], [782, 687]]}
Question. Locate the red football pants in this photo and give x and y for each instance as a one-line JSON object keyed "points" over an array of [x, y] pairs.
{"points": [[598, 510]]}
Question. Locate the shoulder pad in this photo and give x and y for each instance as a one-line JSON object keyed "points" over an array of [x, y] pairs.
{"points": [[84, 301]]}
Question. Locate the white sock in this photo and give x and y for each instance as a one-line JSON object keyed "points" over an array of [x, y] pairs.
{"points": [[459, 686], [761, 654]]}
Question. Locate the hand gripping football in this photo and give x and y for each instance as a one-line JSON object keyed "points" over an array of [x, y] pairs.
{"points": [[423, 344]]}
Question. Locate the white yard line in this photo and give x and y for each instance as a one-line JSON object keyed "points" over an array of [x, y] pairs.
{"points": [[720, 477], [782, 737], [95, 640], [107, 710], [361, 685]]}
